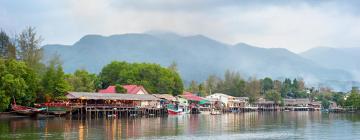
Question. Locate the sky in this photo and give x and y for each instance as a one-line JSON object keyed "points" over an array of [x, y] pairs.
{"points": [[292, 24]]}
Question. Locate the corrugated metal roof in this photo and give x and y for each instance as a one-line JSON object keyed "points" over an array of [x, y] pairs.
{"points": [[165, 96], [296, 101], [100, 96]]}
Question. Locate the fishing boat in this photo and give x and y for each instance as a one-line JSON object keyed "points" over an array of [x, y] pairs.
{"points": [[173, 110], [23, 110]]}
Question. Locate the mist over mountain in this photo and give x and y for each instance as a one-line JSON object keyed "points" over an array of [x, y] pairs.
{"points": [[197, 57], [346, 59]]}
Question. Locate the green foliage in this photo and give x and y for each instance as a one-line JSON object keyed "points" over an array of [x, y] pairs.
{"points": [[286, 88], [233, 84], [153, 77], [325, 103], [29, 49], [202, 91], [81, 81], [338, 97], [120, 89], [4, 100], [17, 82], [300, 94], [266, 84], [193, 87], [353, 99], [54, 84], [173, 67], [273, 95], [7, 48]]}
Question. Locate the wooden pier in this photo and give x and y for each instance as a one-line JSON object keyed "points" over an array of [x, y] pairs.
{"points": [[118, 111]]}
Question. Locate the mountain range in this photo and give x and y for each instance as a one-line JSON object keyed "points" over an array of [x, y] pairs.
{"points": [[198, 56]]}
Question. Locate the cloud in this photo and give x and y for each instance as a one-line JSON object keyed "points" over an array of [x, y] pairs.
{"points": [[295, 25]]}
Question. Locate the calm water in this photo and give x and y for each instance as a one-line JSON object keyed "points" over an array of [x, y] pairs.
{"points": [[269, 125]]}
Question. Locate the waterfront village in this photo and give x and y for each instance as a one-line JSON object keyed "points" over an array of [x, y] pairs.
{"points": [[138, 102], [30, 85]]}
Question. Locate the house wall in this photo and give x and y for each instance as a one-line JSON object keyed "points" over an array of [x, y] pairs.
{"points": [[142, 91], [221, 98]]}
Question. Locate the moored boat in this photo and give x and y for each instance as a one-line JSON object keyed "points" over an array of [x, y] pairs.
{"points": [[215, 112], [177, 110], [23, 110], [57, 110]]}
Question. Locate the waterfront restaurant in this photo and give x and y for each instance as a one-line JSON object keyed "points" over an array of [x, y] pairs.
{"points": [[297, 104], [265, 105], [125, 100]]}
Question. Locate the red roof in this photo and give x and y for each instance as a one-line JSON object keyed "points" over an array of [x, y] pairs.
{"points": [[134, 89], [190, 96], [131, 89], [110, 89]]}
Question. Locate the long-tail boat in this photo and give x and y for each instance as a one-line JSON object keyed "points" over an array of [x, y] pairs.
{"points": [[24, 110]]}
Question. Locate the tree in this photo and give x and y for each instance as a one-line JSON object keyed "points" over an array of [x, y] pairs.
{"points": [[54, 84], [253, 88], [173, 67], [29, 48], [273, 95], [338, 97], [233, 84], [82, 81], [286, 88], [353, 99], [120, 89], [211, 83], [17, 82], [7, 47], [266, 84], [277, 85], [193, 87], [153, 77], [202, 91]]}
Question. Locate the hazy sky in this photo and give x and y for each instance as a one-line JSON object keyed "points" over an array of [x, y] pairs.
{"points": [[295, 25]]}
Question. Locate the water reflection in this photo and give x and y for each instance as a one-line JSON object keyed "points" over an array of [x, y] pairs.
{"points": [[252, 125]]}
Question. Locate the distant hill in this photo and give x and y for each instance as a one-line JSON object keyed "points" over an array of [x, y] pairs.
{"points": [[339, 58], [346, 59], [197, 57]]}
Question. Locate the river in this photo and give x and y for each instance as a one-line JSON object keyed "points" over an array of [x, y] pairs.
{"points": [[251, 125]]}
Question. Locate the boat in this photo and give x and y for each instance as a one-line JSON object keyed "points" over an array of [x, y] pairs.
{"points": [[215, 112], [24, 110], [57, 110], [172, 110], [204, 110], [112, 115]]}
